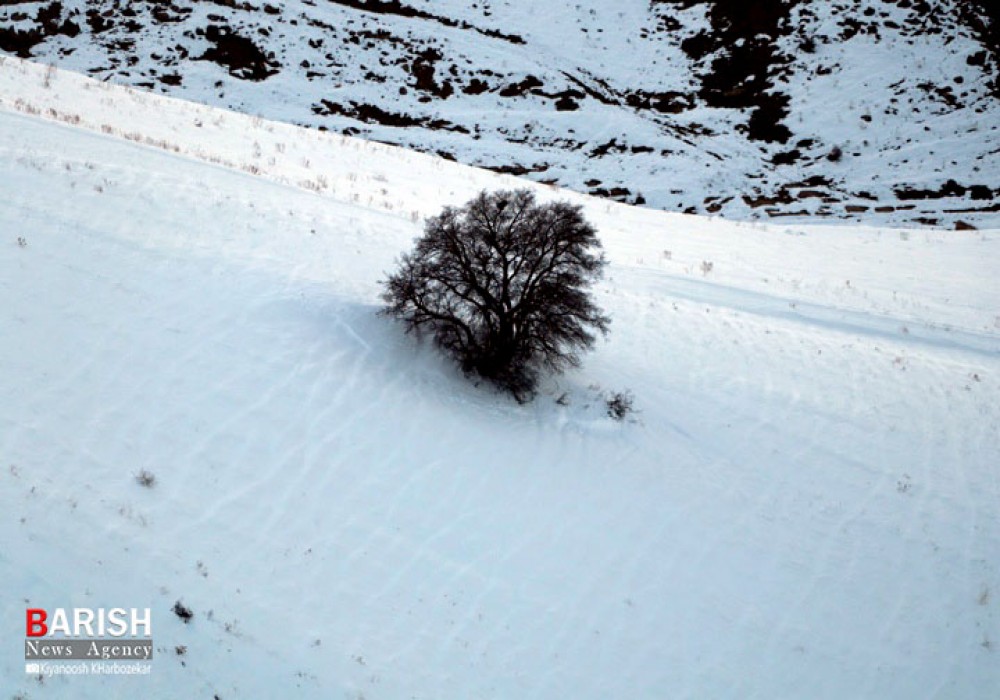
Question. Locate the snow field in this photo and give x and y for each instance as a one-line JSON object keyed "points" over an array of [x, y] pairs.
{"points": [[805, 505]]}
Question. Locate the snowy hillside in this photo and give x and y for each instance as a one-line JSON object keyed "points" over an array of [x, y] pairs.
{"points": [[877, 111], [807, 504]]}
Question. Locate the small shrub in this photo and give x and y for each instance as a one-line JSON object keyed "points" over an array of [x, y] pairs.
{"points": [[620, 405], [835, 154], [183, 612], [146, 478]]}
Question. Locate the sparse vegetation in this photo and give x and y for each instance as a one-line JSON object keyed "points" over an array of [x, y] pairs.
{"points": [[146, 478], [183, 612], [620, 404]]}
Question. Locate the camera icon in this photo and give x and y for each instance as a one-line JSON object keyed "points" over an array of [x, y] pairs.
{"points": [[32, 668]]}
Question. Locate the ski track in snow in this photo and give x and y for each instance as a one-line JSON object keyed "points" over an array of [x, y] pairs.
{"points": [[805, 505]]}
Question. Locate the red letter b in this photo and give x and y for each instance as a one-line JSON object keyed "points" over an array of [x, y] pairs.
{"points": [[35, 626]]}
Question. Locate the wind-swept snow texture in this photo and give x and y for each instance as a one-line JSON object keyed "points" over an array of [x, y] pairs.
{"points": [[875, 111], [806, 504]]}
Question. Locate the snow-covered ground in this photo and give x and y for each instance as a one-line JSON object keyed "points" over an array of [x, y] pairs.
{"points": [[807, 503]]}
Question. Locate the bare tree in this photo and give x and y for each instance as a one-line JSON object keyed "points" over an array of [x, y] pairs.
{"points": [[503, 286]]}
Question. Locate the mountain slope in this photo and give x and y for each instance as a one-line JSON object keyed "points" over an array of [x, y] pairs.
{"points": [[883, 112], [806, 504]]}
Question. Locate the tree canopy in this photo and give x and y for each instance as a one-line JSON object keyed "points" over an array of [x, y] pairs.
{"points": [[502, 284]]}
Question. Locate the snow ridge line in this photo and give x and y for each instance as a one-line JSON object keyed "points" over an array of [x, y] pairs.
{"points": [[42, 90]]}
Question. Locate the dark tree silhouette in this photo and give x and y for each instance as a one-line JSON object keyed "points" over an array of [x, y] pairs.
{"points": [[502, 285]]}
